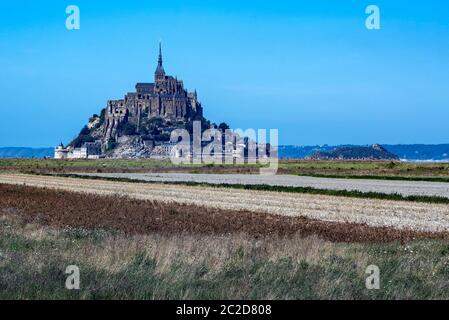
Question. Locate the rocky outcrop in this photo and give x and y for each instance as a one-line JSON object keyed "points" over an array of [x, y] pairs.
{"points": [[133, 126], [374, 152]]}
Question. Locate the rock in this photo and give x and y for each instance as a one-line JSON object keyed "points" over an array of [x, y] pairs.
{"points": [[374, 152]]}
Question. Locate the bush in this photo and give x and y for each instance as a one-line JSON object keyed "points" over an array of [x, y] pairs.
{"points": [[112, 144], [156, 122], [143, 131], [391, 165], [102, 116], [127, 128], [84, 131], [223, 126], [81, 139], [162, 137]]}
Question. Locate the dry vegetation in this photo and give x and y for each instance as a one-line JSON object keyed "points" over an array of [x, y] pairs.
{"points": [[140, 241], [378, 169], [150, 250], [43, 166], [63, 209], [380, 213]]}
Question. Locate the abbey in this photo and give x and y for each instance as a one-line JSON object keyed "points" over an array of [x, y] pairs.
{"points": [[143, 123], [165, 98], [139, 125]]}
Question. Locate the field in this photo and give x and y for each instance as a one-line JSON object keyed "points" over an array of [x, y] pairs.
{"points": [[172, 253], [404, 214], [348, 169], [183, 240], [368, 187]]}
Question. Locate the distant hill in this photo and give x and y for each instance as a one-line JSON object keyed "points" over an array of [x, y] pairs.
{"points": [[26, 152], [408, 152], [374, 152]]}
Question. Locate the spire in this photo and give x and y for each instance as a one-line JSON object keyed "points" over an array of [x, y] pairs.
{"points": [[159, 62], [160, 69]]}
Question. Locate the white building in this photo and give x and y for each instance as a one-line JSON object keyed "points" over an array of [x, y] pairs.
{"points": [[89, 150], [170, 150], [61, 152], [79, 153]]}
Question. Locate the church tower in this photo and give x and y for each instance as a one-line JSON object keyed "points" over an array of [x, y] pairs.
{"points": [[159, 74]]}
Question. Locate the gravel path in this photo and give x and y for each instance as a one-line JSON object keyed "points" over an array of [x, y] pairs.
{"points": [[405, 188], [396, 214]]}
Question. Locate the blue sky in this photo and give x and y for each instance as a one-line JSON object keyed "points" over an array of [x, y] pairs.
{"points": [[309, 68]]}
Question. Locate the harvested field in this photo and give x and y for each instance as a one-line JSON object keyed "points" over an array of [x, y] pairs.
{"points": [[399, 215], [404, 188], [62, 209], [129, 248]]}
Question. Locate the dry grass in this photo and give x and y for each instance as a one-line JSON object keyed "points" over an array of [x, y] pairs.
{"points": [[237, 266], [298, 167], [133, 249]]}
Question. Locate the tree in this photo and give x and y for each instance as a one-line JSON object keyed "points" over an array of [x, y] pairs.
{"points": [[223, 126], [111, 144], [128, 129], [80, 140], [84, 131]]}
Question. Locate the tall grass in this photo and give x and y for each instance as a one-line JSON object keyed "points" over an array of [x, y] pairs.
{"points": [[117, 266]]}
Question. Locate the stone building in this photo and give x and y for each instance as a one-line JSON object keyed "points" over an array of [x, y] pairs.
{"points": [[61, 152], [166, 150], [89, 150], [166, 98]]}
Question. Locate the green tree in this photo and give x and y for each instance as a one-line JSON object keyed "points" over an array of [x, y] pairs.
{"points": [[223, 126]]}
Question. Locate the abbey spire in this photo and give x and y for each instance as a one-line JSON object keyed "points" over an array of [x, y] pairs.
{"points": [[160, 72]]}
